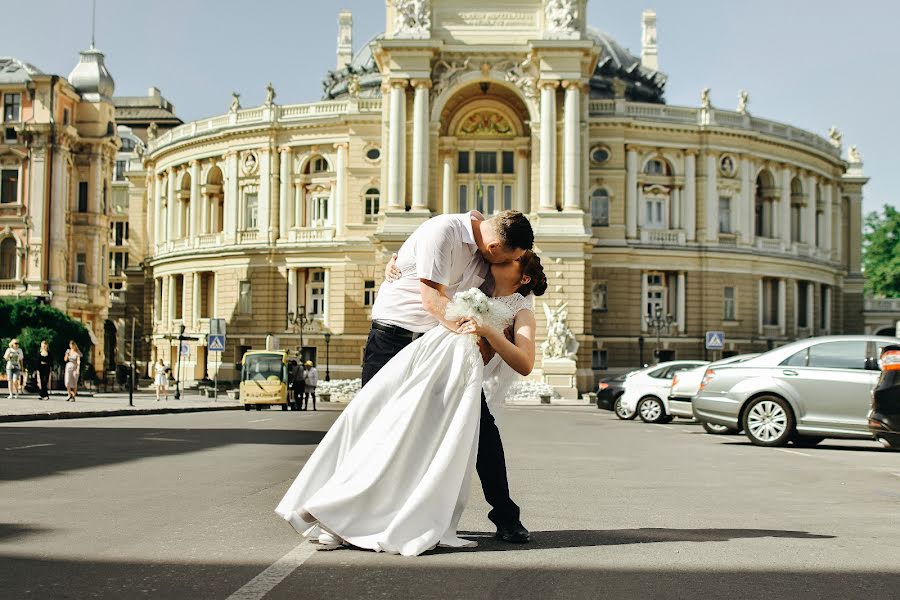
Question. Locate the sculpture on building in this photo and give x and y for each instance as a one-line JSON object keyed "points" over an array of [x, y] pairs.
{"points": [[560, 342], [853, 155], [353, 86], [235, 102], [835, 137], [561, 17], [705, 102], [446, 73], [270, 94], [523, 75], [152, 131], [743, 101], [412, 18]]}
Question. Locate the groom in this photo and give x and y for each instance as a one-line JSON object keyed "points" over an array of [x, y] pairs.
{"points": [[445, 255]]}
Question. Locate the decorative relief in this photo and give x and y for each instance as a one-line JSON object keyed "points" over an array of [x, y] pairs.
{"points": [[485, 124], [446, 74], [412, 19], [353, 86], [561, 18], [728, 166], [249, 163]]}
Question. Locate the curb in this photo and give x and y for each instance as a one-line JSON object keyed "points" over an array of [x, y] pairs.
{"points": [[111, 413]]}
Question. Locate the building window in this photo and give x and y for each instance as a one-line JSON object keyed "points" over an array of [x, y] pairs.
{"points": [[485, 162], [656, 213], [118, 233], [825, 308], [509, 163], [600, 208], [12, 107], [598, 297], [463, 198], [373, 199], [770, 302], [8, 258], [373, 154], [599, 359], [121, 167], [820, 228], [725, 215], [803, 305], [66, 116], [179, 297], [80, 267], [9, 186], [82, 196], [369, 293], [244, 298], [656, 294], [462, 162], [118, 262], [157, 298], [319, 165], [599, 155], [657, 167], [730, 305], [318, 211], [316, 290], [251, 211], [507, 197]]}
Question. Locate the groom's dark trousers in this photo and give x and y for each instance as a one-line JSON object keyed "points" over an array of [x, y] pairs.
{"points": [[384, 343]]}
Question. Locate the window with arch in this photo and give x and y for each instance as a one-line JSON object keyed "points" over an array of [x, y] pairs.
{"points": [[600, 208], [373, 200], [657, 167], [319, 165], [8, 257]]}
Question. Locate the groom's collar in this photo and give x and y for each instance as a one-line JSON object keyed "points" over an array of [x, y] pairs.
{"points": [[472, 217]]}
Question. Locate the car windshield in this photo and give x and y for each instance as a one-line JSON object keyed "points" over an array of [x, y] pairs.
{"points": [[262, 367]]}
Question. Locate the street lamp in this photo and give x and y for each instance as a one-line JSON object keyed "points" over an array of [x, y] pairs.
{"points": [[301, 319], [657, 321], [327, 358], [178, 366]]}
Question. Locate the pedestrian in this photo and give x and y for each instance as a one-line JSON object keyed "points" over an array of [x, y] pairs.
{"points": [[43, 371], [311, 379], [161, 380], [298, 384], [73, 368], [14, 359]]}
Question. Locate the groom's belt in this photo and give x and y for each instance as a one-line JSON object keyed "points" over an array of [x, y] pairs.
{"points": [[395, 330]]}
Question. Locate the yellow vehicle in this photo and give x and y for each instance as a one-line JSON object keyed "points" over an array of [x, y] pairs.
{"points": [[264, 379]]}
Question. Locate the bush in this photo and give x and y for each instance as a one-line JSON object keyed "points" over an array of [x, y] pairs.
{"points": [[30, 322]]}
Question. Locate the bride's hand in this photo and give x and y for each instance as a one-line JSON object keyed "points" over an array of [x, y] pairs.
{"points": [[472, 326], [391, 272]]}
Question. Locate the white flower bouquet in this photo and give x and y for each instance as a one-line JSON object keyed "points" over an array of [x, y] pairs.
{"points": [[474, 304]]}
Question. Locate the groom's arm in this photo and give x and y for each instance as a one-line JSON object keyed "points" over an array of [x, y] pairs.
{"points": [[435, 301]]}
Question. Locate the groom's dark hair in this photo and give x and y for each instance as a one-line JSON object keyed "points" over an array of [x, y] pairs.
{"points": [[514, 230]]}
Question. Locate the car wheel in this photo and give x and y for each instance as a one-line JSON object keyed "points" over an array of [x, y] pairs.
{"points": [[715, 429], [651, 410], [768, 421], [807, 441], [247, 407], [622, 412]]}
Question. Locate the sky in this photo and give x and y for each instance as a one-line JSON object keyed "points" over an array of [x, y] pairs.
{"points": [[809, 63]]}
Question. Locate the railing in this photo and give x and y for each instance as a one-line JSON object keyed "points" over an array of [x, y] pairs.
{"points": [[664, 237], [312, 234], [247, 236], [8, 286], [77, 291], [882, 305], [769, 244], [209, 239]]}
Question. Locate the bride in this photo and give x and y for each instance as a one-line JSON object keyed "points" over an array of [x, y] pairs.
{"points": [[392, 474]]}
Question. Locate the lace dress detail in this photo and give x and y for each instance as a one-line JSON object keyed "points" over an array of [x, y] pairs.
{"points": [[499, 377], [516, 302]]}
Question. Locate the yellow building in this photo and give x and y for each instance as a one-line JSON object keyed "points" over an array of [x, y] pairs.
{"points": [[719, 218]]}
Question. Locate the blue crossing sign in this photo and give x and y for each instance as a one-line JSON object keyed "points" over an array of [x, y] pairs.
{"points": [[216, 342], [715, 340]]}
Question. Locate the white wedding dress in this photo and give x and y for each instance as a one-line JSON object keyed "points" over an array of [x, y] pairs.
{"points": [[392, 474]]}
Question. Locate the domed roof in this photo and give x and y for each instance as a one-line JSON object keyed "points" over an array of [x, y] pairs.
{"points": [[617, 63], [90, 76], [362, 66]]}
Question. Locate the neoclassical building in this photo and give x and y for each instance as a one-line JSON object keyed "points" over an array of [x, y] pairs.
{"points": [[279, 218]]}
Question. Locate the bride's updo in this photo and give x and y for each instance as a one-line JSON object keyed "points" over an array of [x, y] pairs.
{"points": [[531, 266]]}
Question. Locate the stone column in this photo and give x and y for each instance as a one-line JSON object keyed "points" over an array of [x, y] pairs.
{"points": [[421, 154], [195, 199], [523, 203], [643, 300], [548, 145], [748, 214], [171, 206], [264, 214], [784, 214], [447, 184], [157, 212], [676, 209], [680, 303], [572, 147], [396, 142], [690, 196], [827, 221], [712, 199], [285, 204], [760, 303], [809, 222], [195, 305], [292, 291], [782, 306], [204, 226], [631, 200], [231, 192], [340, 189], [171, 289]]}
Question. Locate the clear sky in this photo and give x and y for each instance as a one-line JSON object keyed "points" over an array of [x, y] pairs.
{"points": [[810, 63]]}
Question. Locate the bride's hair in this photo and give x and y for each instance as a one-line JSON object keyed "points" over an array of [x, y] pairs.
{"points": [[531, 266]]}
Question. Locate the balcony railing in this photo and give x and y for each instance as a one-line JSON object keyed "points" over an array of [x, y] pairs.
{"points": [[251, 235], [9, 285], [882, 305], [769, 244], [663, 237], [77, 292], [312, 234], [117, 296]]}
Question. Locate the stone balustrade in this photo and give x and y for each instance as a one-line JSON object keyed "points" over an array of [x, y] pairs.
{"points": [[882, 305]]}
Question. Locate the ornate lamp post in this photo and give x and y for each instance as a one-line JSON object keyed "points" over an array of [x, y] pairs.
{"points": [[178, 366], [300, 319], [657, 321], [327, 357]]}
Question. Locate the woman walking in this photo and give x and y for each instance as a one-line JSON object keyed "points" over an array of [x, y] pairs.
{"points": [[14, 358], [161, 380], [73, 368], [311, 379], [43, 371]]}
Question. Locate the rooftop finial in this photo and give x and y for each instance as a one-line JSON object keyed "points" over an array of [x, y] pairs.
{"points": [[93, 22]]}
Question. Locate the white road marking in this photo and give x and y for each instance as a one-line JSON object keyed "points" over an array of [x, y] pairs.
{"points": [[259, 420], [666, 427], [29, 446], [792, 452], [266, 581]]}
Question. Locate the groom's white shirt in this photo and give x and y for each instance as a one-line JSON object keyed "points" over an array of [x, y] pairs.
{"points": [[442, 250]]}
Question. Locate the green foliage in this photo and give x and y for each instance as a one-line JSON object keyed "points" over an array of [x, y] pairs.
{"points": [[31, 322], [881, 253]]}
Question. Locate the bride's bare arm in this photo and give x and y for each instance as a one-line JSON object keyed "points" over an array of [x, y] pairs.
{"points": [[518, 355]]}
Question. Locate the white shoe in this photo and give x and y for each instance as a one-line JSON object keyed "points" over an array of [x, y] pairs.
{"points": [[328, 541]]}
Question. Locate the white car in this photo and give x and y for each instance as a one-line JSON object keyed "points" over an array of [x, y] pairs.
{"points": [[686, 385], [647, 391]]}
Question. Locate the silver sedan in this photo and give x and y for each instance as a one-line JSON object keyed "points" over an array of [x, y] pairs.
{"points": [[803, 392]]}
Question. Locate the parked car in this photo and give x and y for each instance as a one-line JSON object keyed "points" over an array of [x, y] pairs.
{"points": [[802, 392], [884, 418], [686, 385], [608, 391], [647, 390]]}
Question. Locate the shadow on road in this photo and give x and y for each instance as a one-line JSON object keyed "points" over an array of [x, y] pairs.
{"points": [[12, 531], [46, 451], [583, 538]]}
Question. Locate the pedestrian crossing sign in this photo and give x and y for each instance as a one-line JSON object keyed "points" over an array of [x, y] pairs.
{"points": [[216, 343], [715, 340]]}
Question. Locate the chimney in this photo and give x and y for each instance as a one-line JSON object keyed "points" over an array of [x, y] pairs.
{"points": [[649, 56], [345, 38]]}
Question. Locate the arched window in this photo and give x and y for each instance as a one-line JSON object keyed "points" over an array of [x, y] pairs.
{"points": [[8, 258], [657, 167], [600, 208], [373, 199], [764, 201]]}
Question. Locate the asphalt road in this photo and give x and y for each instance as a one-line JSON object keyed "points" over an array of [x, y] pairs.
{"points": [[181, 506]]}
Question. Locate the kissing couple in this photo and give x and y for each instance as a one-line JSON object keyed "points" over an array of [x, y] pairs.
{"points": [[452, 327]]}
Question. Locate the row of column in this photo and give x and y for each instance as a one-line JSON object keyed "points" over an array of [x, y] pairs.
{"points": [[396, 175], [194, 282], [680, 300], [572, 138]]}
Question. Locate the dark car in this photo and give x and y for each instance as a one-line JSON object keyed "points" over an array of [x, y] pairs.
{"points": [[609, 390], [884, 418]]}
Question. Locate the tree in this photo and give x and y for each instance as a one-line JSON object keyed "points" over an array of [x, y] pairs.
{"points": [[881, 253], [31, 322]]}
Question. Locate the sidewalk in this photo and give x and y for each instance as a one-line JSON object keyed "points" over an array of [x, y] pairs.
{"points": [[28, 408]]}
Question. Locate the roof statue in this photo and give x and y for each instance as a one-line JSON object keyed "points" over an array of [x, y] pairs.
{"points": [[743, 101], [561, 18], [853, 155], [835, 137], [270, 94], [235, 102], [152, 131], [412, 18], [705, 102]]}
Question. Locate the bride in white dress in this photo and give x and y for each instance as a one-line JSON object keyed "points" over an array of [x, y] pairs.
{"points": [[392, 474]]}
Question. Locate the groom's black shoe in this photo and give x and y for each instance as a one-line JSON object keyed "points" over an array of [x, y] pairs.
{"points": [[514, 533]]}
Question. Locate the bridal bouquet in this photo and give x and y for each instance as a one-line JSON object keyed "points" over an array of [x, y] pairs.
{"points": [[474, 304]]}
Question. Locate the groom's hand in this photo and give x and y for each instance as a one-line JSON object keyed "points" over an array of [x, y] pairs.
{"points": [[391, 272]]}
